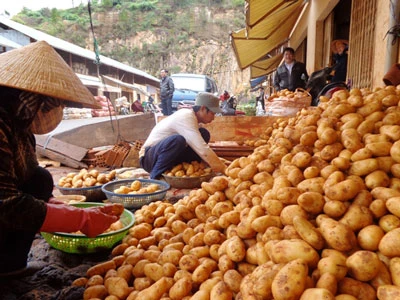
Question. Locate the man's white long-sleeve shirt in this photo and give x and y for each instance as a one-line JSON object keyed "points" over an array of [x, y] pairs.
{"points": [[184, 123]]}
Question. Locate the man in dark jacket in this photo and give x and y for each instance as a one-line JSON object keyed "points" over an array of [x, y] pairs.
{"points": [[166, 93], [291, 74]]}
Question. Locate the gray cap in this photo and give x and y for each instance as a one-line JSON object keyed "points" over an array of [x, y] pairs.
{"points": [[208, 100]]}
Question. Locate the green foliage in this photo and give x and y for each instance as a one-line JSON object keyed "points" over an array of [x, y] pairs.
{"points": [[238, 3], [179, 26]]}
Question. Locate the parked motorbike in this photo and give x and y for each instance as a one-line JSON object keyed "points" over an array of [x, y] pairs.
{"points": [[318, 85], [150, 107], [228, 107]]}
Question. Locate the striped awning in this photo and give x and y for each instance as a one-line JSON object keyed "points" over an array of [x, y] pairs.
{"points": [[265, 66]]}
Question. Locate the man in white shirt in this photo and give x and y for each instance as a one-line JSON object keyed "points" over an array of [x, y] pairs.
{"points": [[179, 138]]}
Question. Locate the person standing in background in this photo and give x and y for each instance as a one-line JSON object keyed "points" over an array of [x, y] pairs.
{"points": [[260, 98], [291, 74], [166, 92]]}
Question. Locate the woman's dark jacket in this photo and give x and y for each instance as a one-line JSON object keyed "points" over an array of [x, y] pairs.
{"points": [[17, 161], [340, 67]]}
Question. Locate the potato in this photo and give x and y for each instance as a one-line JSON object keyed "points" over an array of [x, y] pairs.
{"points": [[388, 292], [329, 152], [95, 291], [351, 139], [395, 151], [288, 250], [221, 291], [236, 249], [180, 289], [233, 279], [201, 273], [384, 193], [394, 268], [289, 212], [383, 277], [377, 178], [390, 243], [260, 224], [392, 204], [81, 281], [248, 172], [262, 278], [369, 237], [344, 190], [361, 154], [138, 268], [156, 290], [170, 255], [358, 289], [189, 262], [312, 185], [301, 159], [339, 236], [316, 294], [290, 281], [357, 217], [95, 280], [327, 281], [389, 222], [117, 286], [201, 295], [379, 148], [154, 271], [334, 264], [308, 232], [363, 265], [311, 202], [364, 167], [101, 268]]}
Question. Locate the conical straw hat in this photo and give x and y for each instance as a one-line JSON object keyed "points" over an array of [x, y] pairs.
{"points": [[38, 68], [45, 122], [335, 44]]}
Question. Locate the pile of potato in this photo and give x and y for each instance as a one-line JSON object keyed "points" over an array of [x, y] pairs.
{"points": [[312, 214], [192, 169], [290, 95], [86, 178], [136, 187]]}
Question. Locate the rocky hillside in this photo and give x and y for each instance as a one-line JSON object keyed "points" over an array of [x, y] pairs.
{"points": [[182, 35]]}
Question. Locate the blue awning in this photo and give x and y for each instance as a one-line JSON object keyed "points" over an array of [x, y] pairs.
{"points": [[256, 81]]}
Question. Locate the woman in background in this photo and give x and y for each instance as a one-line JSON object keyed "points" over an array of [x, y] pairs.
{"points": [[339, 49]]}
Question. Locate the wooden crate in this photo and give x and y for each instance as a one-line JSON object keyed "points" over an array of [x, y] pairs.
{"points": [[231, 150]]}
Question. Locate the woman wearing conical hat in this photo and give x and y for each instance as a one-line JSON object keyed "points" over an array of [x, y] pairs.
{"points": [[35, 85], [339, 49]]}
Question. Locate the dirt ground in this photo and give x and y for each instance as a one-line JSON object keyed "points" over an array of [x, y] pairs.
{"points": [[56, 269]]}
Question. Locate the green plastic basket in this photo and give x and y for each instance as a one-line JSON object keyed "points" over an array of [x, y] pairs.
{"points": [[81, 244]]}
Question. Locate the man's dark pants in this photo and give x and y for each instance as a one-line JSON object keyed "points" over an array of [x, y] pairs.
{"points": [[168, 153]]}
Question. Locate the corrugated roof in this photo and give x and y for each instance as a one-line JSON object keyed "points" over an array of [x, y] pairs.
{"points": [[5, 42], [74, 49]]}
